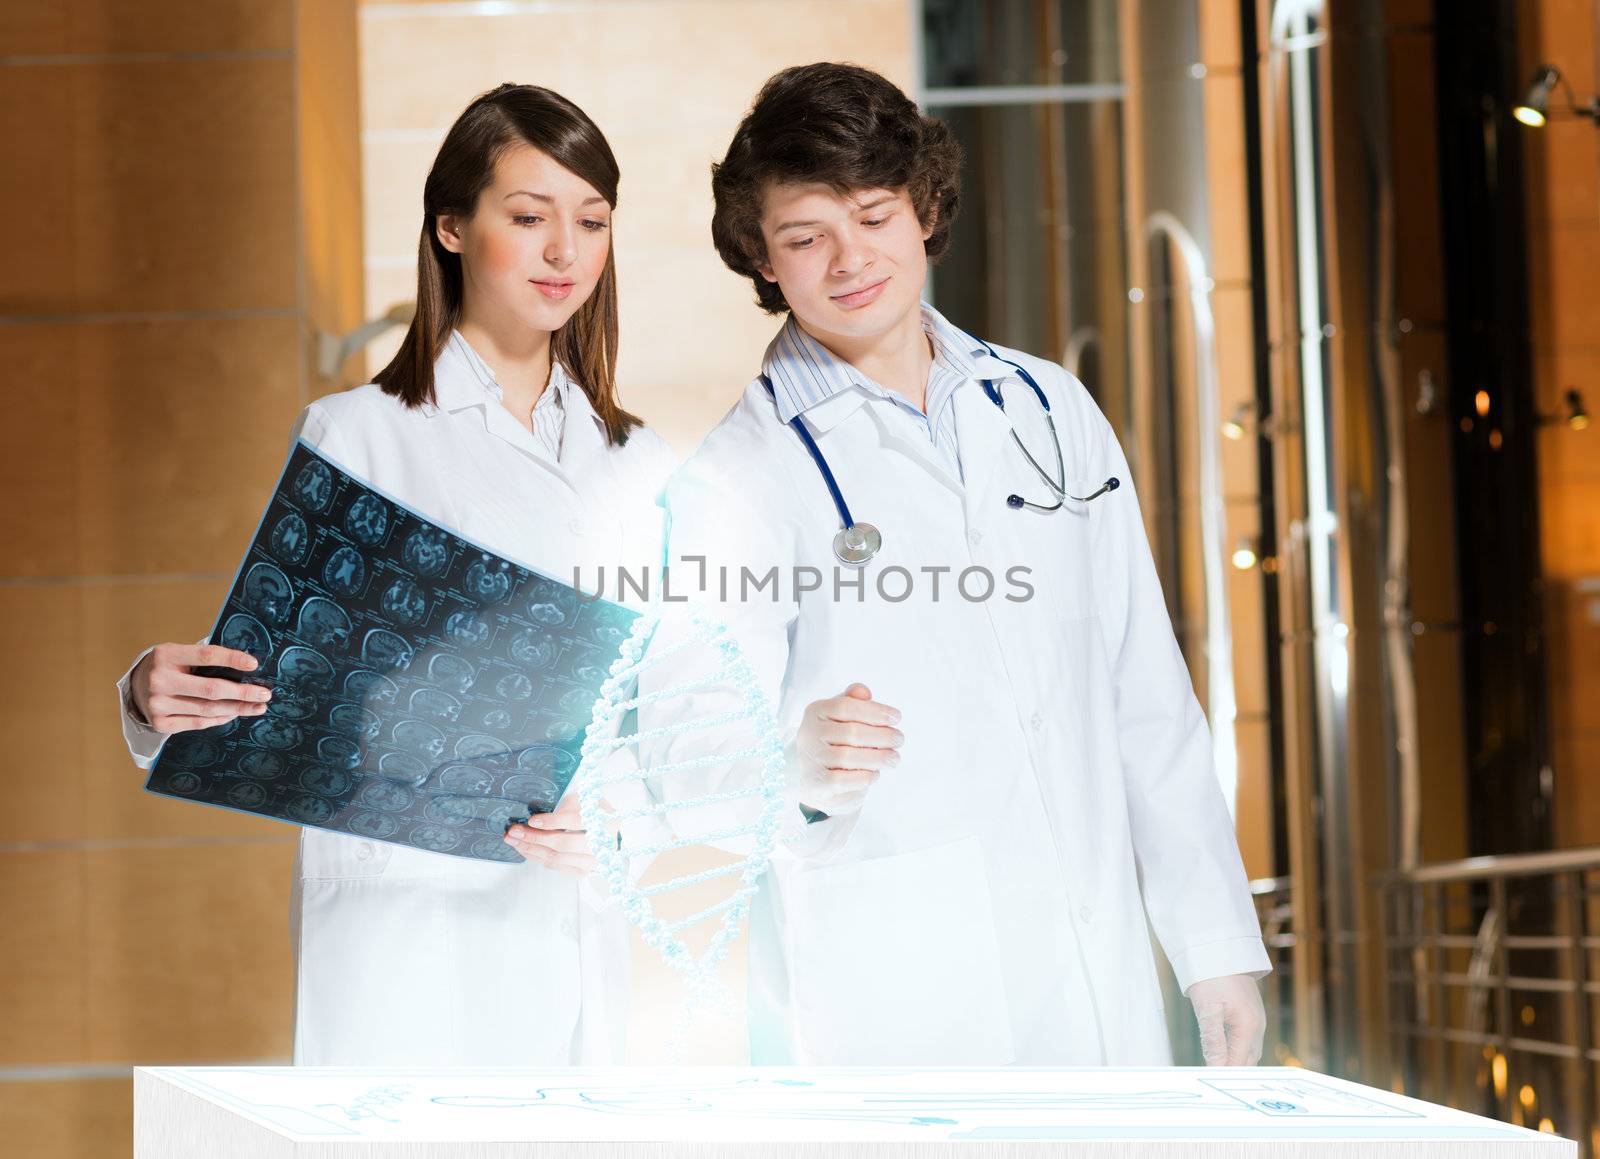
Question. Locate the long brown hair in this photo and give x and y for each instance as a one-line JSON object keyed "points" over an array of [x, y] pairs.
{"points": [[587, 344]]}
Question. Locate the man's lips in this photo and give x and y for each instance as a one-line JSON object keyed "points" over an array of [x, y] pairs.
{"points": [[860, 297]]}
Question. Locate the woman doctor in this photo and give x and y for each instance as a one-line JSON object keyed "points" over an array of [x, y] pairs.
{"points": [[497, 418]]}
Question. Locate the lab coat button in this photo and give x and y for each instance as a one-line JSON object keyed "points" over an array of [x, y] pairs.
{"points": [[568, 928], [1086, 913], [576, 527], [1037, 721], [364, 851], [974, 537]]}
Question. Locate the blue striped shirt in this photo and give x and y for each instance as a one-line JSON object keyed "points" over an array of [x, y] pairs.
{"points": [[804, 372]]}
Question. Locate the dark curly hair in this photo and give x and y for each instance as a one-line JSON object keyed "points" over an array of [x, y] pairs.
{"points": [[837, 125]]}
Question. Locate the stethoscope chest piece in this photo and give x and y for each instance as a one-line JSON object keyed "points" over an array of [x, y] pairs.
{"points": [[857, 544]]}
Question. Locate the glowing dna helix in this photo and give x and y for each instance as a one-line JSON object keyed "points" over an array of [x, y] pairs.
{"points": [[620, 697]]}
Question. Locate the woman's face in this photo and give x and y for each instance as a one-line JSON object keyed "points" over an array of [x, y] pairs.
{"points": [[535, 246]]}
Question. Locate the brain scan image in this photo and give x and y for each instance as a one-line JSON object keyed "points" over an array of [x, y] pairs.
{"points": [[562, 731], [246, 634], [577, 700], [425, 690], [312, 809], [313, 486], [439, 838], [468, 628], [533, 649], [368, 519], [322, 623], [291, 539], [354, 721], [303, 667], [183, 783], [426, 552], [345, 572], [261, 766], [405, 601], [385, 795], [247, 795], [417, 737], [494, 849], [539, 793], [489, 580], [370, 688], [339, 752], [267, 592], [384, 649], [402, 767], [378, 826], [431, 703], [271, 733], [451, 672], [326, 782], [478, 745], [552, 760], [292, 702], [465, 780], [196, 751], [514, 686]]}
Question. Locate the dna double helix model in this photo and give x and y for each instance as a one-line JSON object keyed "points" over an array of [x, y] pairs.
{"points": [[744, 738]]}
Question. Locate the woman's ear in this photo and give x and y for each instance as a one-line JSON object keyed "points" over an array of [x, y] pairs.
{"points": [[447, 228]]}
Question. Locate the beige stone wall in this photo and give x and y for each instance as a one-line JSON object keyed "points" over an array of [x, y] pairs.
{"points": [[170, 165]]}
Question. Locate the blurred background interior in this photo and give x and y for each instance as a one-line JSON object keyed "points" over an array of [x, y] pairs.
{"points": [[1326, 264]]}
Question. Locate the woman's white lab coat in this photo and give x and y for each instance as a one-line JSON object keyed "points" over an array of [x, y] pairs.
{"points": [[988, 903], [406, 957]]}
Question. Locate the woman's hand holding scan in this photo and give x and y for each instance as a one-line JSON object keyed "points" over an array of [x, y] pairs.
{"points": [[171, 698], [1232, 1020], [555, 840], [843, 744]]}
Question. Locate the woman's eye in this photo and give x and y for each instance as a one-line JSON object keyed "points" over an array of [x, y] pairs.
{"points": [[594, 226], [527, 219]]}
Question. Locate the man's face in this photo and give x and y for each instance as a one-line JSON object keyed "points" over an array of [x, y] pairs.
{"points": [[850, 266]]}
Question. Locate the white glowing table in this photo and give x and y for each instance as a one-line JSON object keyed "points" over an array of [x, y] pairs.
{"points": [[330, 1113]]}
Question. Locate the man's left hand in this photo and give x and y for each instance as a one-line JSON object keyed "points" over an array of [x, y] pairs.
{"points": [[1232, 1020]]}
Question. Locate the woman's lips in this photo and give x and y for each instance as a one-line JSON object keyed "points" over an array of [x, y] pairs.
{"points": [[555, 290], [862, 296]]}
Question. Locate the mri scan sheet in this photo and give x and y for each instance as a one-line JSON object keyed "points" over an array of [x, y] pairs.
{"points": [[426, 691]]}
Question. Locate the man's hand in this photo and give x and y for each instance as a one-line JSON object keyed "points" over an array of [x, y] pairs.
{"points": [[1232, 1020], [843, 744]]}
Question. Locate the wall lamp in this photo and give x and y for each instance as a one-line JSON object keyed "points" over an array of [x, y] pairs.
{"points": [[1574, 415], [1534, 110]]}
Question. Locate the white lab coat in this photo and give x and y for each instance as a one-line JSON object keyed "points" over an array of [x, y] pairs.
{"points": [[988, 903], [406, 957]]}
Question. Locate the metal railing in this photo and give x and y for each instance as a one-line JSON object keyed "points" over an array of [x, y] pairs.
{"points": [[1492, 983], [1492, 969]]}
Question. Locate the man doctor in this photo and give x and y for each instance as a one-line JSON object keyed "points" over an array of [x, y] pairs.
{"points": [[997, 766]]}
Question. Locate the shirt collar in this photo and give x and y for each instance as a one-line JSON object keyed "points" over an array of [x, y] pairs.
{"points": [[462, 379], [808, 378]]}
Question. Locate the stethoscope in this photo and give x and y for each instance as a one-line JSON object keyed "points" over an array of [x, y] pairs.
{"points": [[856, 543]]}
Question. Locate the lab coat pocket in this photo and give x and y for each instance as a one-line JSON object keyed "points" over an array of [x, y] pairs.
{"points": [[897, 962], [329, 856]]}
